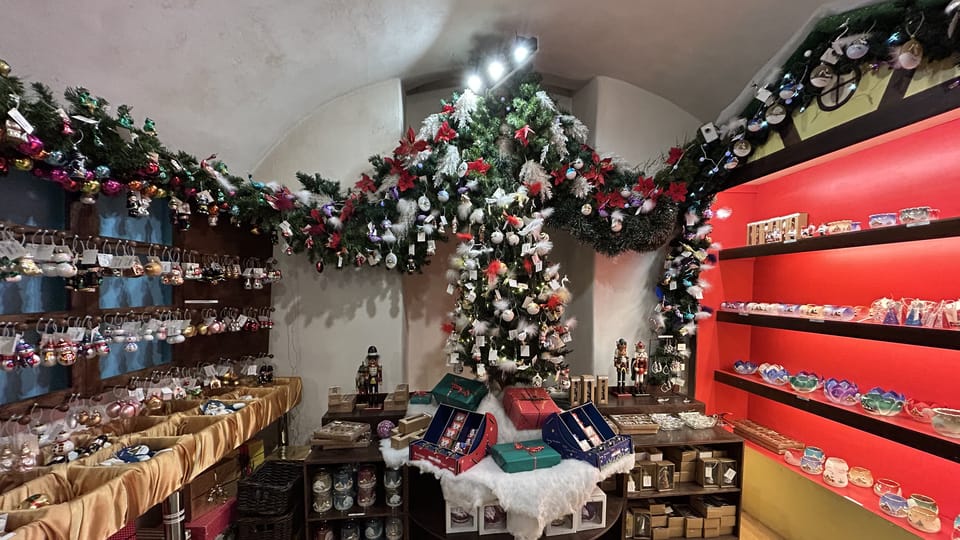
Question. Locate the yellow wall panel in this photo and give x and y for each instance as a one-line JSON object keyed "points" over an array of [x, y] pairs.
{"points": [[814, 121], [932, 74]]}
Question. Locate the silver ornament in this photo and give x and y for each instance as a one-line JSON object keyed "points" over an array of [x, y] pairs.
{"points": [[911, 54], [423, 203], [742, 148], [577, 164], [496, 237], [822, 76], [857, 49], [507, 315], [390, 261], [513, 239], [443, 196], [776, 114], [586, 209]]}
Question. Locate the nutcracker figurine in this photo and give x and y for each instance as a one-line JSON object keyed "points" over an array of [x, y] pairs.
{"points": [[639, 368], [622, 364], [374, 374]]}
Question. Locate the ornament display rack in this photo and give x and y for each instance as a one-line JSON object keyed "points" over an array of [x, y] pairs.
{"points": [[83, 222], [330, 460], [911, 166], [716, 438]]}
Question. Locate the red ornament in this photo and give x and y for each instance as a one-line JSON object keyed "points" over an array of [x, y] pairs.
{"points": [[645, 186], [447, 109], [152, 168], [59, 176], [522, 134], [32, 146], [111, 187], [176, 181], [406, 181]]}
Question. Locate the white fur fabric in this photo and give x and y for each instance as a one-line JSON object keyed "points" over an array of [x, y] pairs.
{"points": [[531, 498]]}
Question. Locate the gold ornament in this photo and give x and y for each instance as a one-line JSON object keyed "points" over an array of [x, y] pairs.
{"points": [[37, 500], [154, 403], [23, 164], [911, 54], [189, 331], [822, 76], [4, 68]]}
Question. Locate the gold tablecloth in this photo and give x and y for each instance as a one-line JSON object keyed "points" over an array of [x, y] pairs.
{"points": [[91, 502]]}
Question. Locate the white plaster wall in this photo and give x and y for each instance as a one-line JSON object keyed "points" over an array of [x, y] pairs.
{"points": [[328, 320], [638, 126]]}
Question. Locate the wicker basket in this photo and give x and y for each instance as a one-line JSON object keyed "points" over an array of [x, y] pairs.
{"points": [[272, 490], [266, 528]]}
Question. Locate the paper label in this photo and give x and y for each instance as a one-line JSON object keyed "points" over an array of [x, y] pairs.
{"points": [[76, 333], [567, 338], [524, 351], [166, 267], [412, 250], [473, 274], [421, 236], [8, 345], [210, 371], [251, 370], [17, 117], [89, 256], [481, 341], [708, 474], [242, 320], [764, 95], [44, 252], [84, 119], [681, 347], [138, 394], [166, 393], [492, 355], [454, 358], [554, 284], [729, 476], [512, 282], [451, 289], [647, 481], [104, 260]]}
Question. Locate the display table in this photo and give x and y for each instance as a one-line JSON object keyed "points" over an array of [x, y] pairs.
{"points": [[94, 502]]}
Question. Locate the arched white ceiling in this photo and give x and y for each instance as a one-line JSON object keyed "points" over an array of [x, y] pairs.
{"points": [[232, 76]]}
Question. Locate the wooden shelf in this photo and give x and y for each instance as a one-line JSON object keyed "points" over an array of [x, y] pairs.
{"points": [[900, 429], [943, 228], [368, 454], [648, 404], [907, 335], [683, 489], [862, 497], [355, 513], [687, 437]]}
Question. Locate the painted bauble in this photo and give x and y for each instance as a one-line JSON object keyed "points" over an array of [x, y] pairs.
{"points": [[31, 146], [319, 266], [90, 187], [616, 225], [462, 169], [443, 196], [423, 203], [571, 173], [533, 308], [822, 76], [390, 261], [586, 209], [384, 428], [513, 239], [66, 269], [776, 114], [496, 237], [152, 168], [577, 164], [625, 193], [4, 68], [55, 157], [111, 187], [101, 171], [113, 409], [857, 49], [149, 190], [507, 315], [742, 148], [911, 54], [128, 410], [135, 185]]}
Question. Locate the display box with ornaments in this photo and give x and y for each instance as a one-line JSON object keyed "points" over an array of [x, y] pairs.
{"points": [[456, 439], [459, 392], [528, 408], [460, 519], [581, 433], [593, 514], [524, 456], [565, 524], [493, 519]]}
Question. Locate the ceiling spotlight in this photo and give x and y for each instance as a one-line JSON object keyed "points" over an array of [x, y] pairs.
{"points": [[521, 52], [496, 70], [474, 83]]}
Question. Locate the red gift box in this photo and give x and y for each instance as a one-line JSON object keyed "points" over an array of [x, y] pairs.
{"points": [[443, 451], [528, 408], [214, 522]]}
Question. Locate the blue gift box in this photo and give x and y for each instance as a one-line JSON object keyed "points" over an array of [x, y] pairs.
{"points": [[581, 433], [456, 439]]}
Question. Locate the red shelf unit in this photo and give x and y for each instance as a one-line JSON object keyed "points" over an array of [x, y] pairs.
{"points": [[915, 166]]}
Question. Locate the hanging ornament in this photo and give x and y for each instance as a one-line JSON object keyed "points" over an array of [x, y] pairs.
{"points": [[571, 173], [512, 238], [857, 48], [390, 261], [4, 68], [789, 88], [507, 315], [423, 203], [537, 381], [319, 266], [911, 54], [586, 209], [742, 148], [533, 308], [776, 114], [23, 164], [443, 196], [616, 225], [90, 189], [577, 164], [496, 237], [822, 76]]}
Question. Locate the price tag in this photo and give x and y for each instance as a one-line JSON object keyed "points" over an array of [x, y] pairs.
{"points": [[454, 358], [816, 320], [525, 248], [567, 338], [75, 333], [512, 334], [917, 224], [251, 370], [681, 347], [421, 236], [492, 356], [730, 475], [538, 265], [210, 371], [554, 284], [138, 394], [708, 474], [524, 351], [451, 289], [481, 341], [431, 245], [89, 256], [512, 282], [526, 302], [790, 241], [443, 220], [166, 393], [17, 117], [473, 274], [647, 481], [44, 252], [85, 119], [166, 267], [673, 285], [8, 344], [764, 95], [242, 320], [412, 250]]}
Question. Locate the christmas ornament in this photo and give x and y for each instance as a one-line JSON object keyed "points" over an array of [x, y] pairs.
{"points": [[822, 76], [443, 196], [512, 238], [857, 48], [742, 148], [496, 237], [586, 209], [911, 54], [571, 173], [577, 164], [4, 68]]}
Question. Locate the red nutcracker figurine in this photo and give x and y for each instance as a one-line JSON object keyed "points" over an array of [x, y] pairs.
{"points": [[374, 373], [621, 361], [639, 368]]}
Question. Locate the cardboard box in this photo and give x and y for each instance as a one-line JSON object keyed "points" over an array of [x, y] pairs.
{"points": [[656, 507], [658, 521], [628, 523], [688, 466], [675, 521], [711, 523], [680, 454], [566, 524], [675, 532], [576, 393], [660, 533], [214, 522], [726, 531], [728, 521], [693, 522], [339, 402], [492, 519], [581, 433], [693, 533], [413, 423], [688, 476], [728, 472], [665, 480], [212, 487], [603, 389], [711, 533], [655, 454], [708, 472], [704, 452], [399, 441], [588, 388], [475, 434]]}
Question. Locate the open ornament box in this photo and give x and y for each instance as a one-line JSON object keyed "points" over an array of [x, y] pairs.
{"points": [[456, 439], [581, 433]]}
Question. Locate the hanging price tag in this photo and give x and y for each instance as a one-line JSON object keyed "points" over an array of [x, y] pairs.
{"points": [[104, 260], [431, 245], [421, 236], [681, 347], [454, 358], [251, 370], [524, 351], [492, 356], [89, 256], [44, 253], [729, 476], [473, 274], [17, 117], [412, 250], [481, 341], [210, 371], [554, 284], [451, 289], [673, 285]]}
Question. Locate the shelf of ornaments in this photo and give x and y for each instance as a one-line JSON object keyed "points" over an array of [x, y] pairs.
{"points": [[901, 428], [912, 232], [908, 335], [862, 497]]}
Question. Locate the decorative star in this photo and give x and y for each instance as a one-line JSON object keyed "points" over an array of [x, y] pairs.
{"points": [[478, 165], [522, 134]]}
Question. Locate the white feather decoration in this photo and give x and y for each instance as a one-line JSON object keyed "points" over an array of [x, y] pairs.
{"points": [[501, 305], [723, 213], [532, 228], [472, 185], [731, 127], [545, 213], [691, 218], [772, 78], [388, 237], [507, 366], [449, 163], [716, 246], [558, 140], [690, 328], [477, 215], [571, 323], [428, 229], [480, 327], [429, 127], [616, 215], [453, 275], [648, 206], [305, 197], [695, 291], [464, 108], [463, 209], [543, 247], [334, 223], [578, 130]]}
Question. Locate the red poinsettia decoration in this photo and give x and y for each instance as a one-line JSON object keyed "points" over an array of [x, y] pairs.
{"points": [[366, 184], [597, 175], [447, 327], [334, 241], [406, 177], [447, 109], [674, 156], [409, 145], [610, 200], [677, 191], [522, 134], [478, 165], [348, 208], [445, 133], [645, 186], [317, 228], [558, 176], [282, 200], [554, 301], [406, 181]]}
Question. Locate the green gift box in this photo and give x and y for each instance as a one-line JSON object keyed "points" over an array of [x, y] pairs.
{"points": [[459, 392], [421, 397], [524, 456]]}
